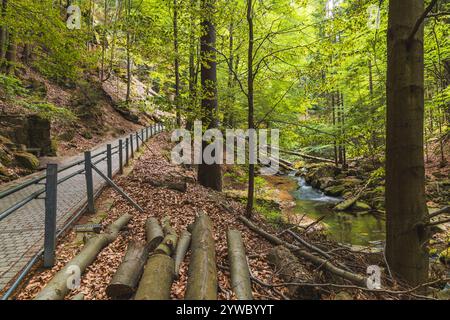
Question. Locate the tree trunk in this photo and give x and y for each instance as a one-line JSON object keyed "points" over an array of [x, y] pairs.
{"points": [[154, 233], [104, 40], [228, 112], [192, 72], [157, 279], [406, 241], [3, 31], [128, 48], [209, 175], [182, 248], [250, 100], [239, 270], [202, 276], [11, 54], [126, 278], [58, 288], [333, 108], [176, 63]]}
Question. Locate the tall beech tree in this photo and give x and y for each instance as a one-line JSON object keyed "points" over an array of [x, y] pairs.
{"points": [[407, 238], [250, 99], [209, 175]]}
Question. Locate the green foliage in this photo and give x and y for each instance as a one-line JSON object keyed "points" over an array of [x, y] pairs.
{"points": [[50, 111], [10, 87]]}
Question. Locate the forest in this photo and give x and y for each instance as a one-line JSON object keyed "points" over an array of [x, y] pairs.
{"points": [[336, 185]]}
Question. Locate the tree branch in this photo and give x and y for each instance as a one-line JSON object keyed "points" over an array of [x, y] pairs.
{"points": [[420, 20]]}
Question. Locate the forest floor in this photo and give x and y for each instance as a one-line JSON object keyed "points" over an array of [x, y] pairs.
{"points": [[182, 208]]}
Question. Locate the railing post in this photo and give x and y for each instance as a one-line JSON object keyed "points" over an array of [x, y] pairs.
{"points": [[142, 134], [126, 152], [131, 146], [109, 160], [146, 133], [120, 156], [151, 131], [50, 215], [137, 141], [89, 182]]}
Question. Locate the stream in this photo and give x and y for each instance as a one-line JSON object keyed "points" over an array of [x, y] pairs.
{"points": [[344, 227]]}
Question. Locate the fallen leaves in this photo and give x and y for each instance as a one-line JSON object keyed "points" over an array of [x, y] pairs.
{"points": [[182, 208]]}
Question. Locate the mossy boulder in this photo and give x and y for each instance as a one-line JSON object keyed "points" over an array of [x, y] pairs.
{"points": [[4, 140], [26, 160], [335, 191], [326, 182], [320, 170], [4, 171], [360, 206], [350, 182], [5, 156]]}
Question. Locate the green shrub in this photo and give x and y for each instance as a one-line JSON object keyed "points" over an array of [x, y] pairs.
{"points": [[49, 111], [10, 87]]}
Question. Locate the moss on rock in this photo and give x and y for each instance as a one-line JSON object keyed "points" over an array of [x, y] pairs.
{"points": [[26, 160]]}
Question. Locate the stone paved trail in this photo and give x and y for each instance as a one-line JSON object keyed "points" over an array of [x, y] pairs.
{"points": [[22, 232]]}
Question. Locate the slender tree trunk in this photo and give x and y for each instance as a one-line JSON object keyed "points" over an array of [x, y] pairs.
{"points": [[192, 70], [343, 139], [250, 99], [11, 53], [209, 175], [406, 211], [373, 138], [441, 86], [339, 124], [102, 64], [3, 31], [128, 94], [176, 62], [228, 112], [333, 108]]}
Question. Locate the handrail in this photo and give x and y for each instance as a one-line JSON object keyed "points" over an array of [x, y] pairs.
{"points": [[35, 194], [5, 213], [26, 184]]}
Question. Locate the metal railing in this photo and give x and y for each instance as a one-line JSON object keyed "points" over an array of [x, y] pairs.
{"points": [[50, 189]]}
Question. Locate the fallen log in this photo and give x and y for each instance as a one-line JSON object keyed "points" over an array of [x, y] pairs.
{"points": [[125, 280], [347, 203], [168, 245], [58, 287], [156, 282], [182, 248], [350, 276], [282, 163], [167, 228], [239, 270], [291, 270], [79, 296], [169, 184], [202, 275], [154, 233], [304, 155]]}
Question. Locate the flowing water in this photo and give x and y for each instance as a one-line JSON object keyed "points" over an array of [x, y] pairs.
{"points": [[344, 227]]}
